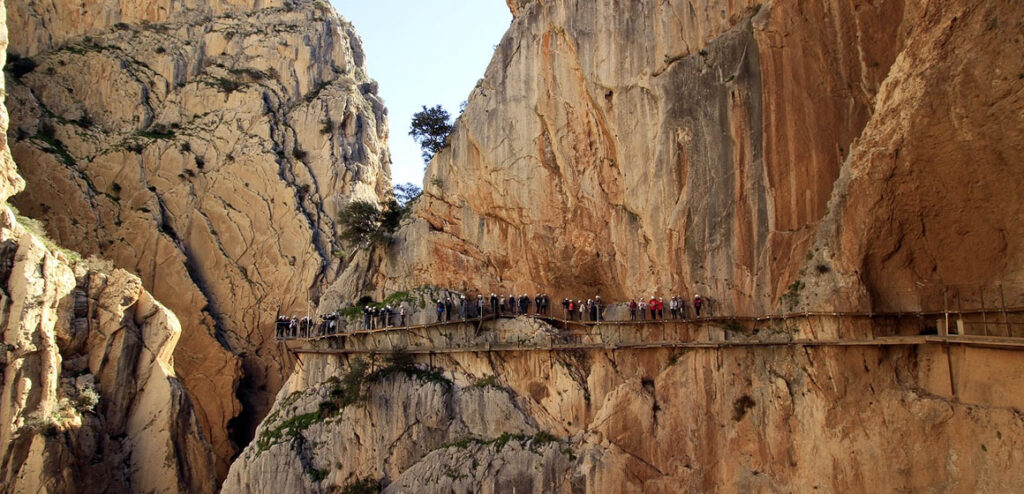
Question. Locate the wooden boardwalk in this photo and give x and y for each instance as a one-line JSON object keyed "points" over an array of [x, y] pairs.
{"points": [[896, 340], [594, 335]]}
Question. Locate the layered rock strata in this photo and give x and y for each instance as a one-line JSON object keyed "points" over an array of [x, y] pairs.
{"points": [[206, 147]]}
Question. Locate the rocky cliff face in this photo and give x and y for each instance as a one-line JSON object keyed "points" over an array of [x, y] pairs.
{"points": [[638, 147], [206, 147], [90, 400], [658, 420], [725, 148]]}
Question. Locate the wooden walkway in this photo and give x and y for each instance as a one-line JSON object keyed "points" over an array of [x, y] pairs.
{"points": [[570, 337], [897, 340]]}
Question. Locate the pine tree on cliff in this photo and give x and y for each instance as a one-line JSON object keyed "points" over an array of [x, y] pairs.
{"points": [[430, 128]]}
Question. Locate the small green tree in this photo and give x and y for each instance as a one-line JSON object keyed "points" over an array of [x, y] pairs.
{"points": [[364, 224], [430, 128], [360, 222]]}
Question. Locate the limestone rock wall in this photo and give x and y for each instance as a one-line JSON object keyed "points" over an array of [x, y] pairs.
{"points": [[206, 147], [10, 182], [772, 419], [50, 24], [90, 399], [931, 190], [726, 148], [693, 147]]}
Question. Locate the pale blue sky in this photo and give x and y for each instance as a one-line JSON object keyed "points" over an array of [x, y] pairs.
{"points": [[424, 53]]}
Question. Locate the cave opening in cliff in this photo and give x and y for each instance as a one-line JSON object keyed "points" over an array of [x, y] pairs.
{"points": [[251, 395]]}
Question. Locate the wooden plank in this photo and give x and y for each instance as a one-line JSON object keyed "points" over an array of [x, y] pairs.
{"points": [[981, 341]]}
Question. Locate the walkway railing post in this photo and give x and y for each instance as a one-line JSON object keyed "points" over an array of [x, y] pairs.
{"points": [[944, 327], [984, 318], [1002, 304], [960, 329]]}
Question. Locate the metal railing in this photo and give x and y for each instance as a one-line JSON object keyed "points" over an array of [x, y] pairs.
{"points": [[991, 311]]}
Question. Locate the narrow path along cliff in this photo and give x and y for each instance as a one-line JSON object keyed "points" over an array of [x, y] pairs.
{"points": [[840, 180], [779, 156]]}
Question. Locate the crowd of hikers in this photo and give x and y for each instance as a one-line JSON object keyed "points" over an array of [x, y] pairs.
{"points": [[458, 307], [305, 327]]}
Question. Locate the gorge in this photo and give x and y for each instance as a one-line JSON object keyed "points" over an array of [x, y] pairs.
{"points": [[188, 159]]}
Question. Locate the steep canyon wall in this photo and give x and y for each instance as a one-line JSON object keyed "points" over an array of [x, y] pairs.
{"points": [[731, 149], [205, 147], [89, 400], [774, 156]]}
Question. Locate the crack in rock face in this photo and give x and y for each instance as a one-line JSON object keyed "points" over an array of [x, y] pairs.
{"points": [[212, 161]]}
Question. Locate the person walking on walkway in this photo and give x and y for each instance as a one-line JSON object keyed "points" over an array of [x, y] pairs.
{"points": [[593, 310], [512, 304], [582, 314], [599, 305], [403, 312], [661, 308], [698, 302], [643, 310], [673, 307], [440, 310], [480, 304], [565, 308], [571, 309], [463, 306], [494, 305], [632, 310]]}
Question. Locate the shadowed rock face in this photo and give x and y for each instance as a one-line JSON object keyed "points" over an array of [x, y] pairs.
{"points": [[90, 401], [638, 147], [207, 147]]}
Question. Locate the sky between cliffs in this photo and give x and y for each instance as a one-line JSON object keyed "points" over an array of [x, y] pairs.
{"points": [[424, 53]]}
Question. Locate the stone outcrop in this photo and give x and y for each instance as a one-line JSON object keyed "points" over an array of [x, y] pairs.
{"points": [[89, 400], [694, 147], [770, 419], [205, 147]]}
